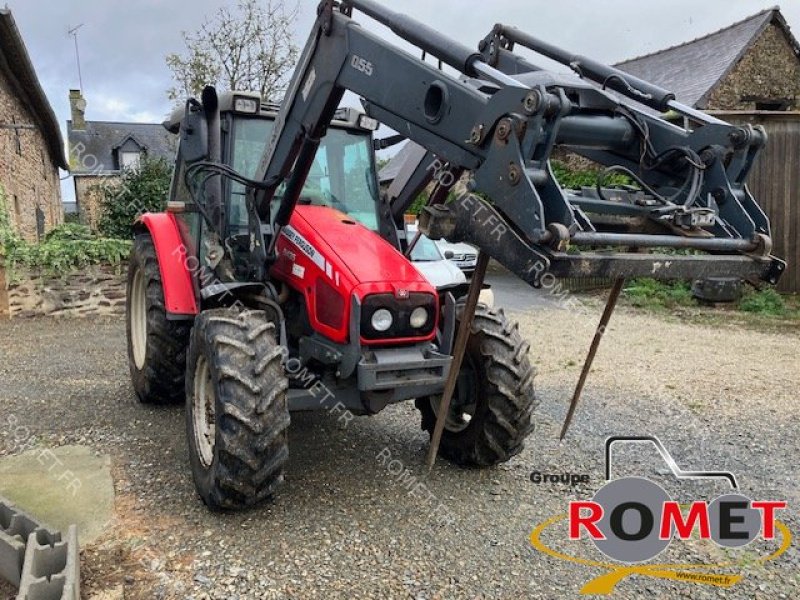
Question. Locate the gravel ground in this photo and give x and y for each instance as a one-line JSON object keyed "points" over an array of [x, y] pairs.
{"points": [[344, 526]]}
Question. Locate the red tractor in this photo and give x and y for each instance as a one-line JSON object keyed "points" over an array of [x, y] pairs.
{"points": [[342, 320]]}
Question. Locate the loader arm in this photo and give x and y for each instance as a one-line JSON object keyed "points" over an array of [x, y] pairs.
{"points": [[500, 121]]}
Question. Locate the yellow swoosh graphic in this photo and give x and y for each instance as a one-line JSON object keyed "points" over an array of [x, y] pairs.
{"points": [[695, 573]]}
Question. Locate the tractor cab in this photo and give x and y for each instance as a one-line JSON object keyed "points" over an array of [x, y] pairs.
{"points": [[343, 176]]}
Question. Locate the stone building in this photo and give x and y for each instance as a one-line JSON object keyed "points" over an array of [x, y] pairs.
{"points": [[31, 146], [748, 73], [99, 151], [752, 65]]}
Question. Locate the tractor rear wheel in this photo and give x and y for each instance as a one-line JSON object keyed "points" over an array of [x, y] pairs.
{"points": [[156, 345], [237, 415], [491, 411]]}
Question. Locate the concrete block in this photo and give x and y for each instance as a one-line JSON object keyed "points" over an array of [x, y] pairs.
{"points": [[17, 526], [51, 571], [42, 563], [12, 556]]}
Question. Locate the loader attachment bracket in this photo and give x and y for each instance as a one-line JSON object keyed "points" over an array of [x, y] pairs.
{"points": [[475, 221]]}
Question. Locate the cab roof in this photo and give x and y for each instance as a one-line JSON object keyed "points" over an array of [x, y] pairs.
{"points": [[345, 117]]}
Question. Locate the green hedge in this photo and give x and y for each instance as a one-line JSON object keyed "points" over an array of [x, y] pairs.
{"points": [[65, 249]]}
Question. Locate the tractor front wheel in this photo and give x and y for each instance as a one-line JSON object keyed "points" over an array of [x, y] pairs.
{"points": [[237, 415], [156, 345], [491, 411]]}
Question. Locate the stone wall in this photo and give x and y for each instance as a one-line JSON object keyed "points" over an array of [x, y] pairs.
{"points": [[96, 291], [27, 170], [769, 70], [89, 195]]}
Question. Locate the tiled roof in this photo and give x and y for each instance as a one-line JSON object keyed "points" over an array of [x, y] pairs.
{"points": [[694, 69], [101, 138]]}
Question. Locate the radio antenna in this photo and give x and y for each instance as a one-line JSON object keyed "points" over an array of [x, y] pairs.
{"points": [[74, 33]]}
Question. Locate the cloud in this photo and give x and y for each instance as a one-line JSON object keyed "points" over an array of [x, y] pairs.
{"points": [[123, 44]]}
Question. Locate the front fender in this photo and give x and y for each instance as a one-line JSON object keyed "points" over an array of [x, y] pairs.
{"points": [[176, 276]]}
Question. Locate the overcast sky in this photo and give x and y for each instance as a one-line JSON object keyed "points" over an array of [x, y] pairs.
{"points": [[123, 43]]}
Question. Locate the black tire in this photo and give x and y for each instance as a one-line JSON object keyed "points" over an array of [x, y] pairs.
{"points": [[498, 378], [158, 374], [251, 415]]}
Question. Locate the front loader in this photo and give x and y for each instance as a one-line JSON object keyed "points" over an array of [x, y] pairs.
{"points": [[278, 278]]}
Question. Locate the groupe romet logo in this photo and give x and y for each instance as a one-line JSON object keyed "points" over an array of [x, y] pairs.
{"points": [[632, 520]]}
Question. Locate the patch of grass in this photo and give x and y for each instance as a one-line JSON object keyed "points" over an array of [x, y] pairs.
{"points": [[696, 407], [763, 310], [658, 295], [764, 302]]}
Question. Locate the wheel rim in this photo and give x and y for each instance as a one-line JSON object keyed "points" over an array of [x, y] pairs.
{"points": [[464, 404], [138, 317], [204, 412]]}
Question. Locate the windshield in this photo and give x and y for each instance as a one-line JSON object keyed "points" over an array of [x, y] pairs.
{"points": [[342, 176], [425, 250]]}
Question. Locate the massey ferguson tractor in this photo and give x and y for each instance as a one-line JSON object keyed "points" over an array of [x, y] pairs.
{"points": [[277, 280]]}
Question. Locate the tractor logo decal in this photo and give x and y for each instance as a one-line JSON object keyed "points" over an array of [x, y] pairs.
{"points": [[310, 251], [632, 520]]}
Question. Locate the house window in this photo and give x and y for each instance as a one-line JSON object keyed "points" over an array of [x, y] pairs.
{"points": [[17, 137], [769, 104], [773, 105], [17, 212], [130, 160]]}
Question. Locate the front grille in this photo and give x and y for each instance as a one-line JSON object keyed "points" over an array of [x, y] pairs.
{"points": [[401, 310]]}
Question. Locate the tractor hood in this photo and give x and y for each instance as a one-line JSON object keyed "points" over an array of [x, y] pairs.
{"points": [[361, 252], [329, 258]]}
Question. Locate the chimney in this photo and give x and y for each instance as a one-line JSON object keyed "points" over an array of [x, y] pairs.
{"points": [[77, 106]]}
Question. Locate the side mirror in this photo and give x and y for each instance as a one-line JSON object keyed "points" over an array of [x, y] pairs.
{"points": [[449, 254], [194, 133]]}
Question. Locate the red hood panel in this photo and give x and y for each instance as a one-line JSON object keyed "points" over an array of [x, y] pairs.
{"points": [[361, 251]]}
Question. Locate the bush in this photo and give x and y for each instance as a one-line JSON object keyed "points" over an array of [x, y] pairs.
{"points": [[418, 204], [142, 190], [69, 232], [566, 177], [764, 302], [576, 179]]}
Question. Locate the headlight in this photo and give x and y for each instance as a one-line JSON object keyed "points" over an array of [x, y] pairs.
{"points": [[419, 316], [245, 104], [382, 320]]}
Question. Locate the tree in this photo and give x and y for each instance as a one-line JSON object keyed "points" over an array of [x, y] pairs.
{"points": [[249, 49], [140, 190]]}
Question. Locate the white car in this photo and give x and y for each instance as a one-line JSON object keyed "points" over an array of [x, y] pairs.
{"points": [[442, 273], [464, 256]]}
